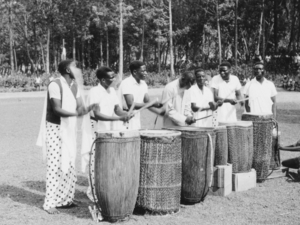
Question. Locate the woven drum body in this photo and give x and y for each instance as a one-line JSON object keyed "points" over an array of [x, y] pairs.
{"points": [[197, 162], [221, 146], [160, 172], [240, 145], [117, 169], [262, 140]]}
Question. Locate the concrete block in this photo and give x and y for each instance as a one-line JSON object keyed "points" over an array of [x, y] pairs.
{"points": [[244, 181], [222, 181], [222, 176]]}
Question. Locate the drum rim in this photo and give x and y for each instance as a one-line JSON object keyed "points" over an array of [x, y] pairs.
{"points": [[237, 124], [160, 133], [189, 128], [118, 133]]}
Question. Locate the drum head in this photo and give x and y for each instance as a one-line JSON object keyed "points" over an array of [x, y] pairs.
{"points": [[118, 134], [159, 133], [237, 123], [190, 128]]}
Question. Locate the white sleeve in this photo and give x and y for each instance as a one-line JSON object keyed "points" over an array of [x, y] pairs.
{"points": [[193, 95], [238, 84], [126, 88], [171, 112], [214, 83], [54, 91]]}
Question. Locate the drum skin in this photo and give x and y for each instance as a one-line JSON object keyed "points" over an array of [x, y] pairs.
{"points": [[240, 145], [262, 143], [117, 168], [160, 172], [197, 162]]}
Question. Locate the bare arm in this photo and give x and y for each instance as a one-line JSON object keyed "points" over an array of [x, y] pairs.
{"points": [[129, 100], [123, 115], [218, 99]]}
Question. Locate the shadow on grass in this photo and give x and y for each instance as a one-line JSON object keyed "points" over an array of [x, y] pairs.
{"points": [[26, 197], [293, 177], [82, 181]]}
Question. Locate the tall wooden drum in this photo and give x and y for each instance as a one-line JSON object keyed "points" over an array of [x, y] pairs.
{"points": [[160, 172], [221, 146], [117, 169], [240, 145], [262, 139], [197, 162]]}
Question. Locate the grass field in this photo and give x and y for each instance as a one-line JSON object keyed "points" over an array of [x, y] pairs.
{"points": [[22, 177]]}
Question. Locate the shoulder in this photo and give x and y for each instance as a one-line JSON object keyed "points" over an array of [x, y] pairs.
{"points": [[216, 78], [171, 84], [144, 83]]}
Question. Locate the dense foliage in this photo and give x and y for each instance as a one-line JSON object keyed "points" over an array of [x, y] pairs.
{"points": [[34, 32]]}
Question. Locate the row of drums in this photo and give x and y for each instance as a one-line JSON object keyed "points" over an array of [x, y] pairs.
{"points": [[158, 169]]}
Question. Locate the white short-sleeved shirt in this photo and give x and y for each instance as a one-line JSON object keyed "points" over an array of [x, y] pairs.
{"points": [[227, 112], [54, 90], [107, 100], [260, 96], [129, 86], [201, 99]]}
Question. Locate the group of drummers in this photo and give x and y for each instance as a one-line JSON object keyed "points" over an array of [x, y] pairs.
{"points": [[186, 101]]}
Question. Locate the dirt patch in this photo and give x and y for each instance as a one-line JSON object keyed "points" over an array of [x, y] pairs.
{"points": [[22, 179]]}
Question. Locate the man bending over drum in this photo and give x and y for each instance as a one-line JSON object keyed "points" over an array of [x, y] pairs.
{"points": [[261, 92], [202, 100], [176, 95], [134, 89], [226, 88], [102, 117], [58, 136]]}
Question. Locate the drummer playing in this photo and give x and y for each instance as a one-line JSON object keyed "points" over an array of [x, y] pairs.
{"points": [[134, 89], [103, 116], [226, 88], [176, 95], [202, 100], [261, 92]]}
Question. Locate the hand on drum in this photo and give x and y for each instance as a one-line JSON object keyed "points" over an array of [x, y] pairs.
{"points": [[232, 101], [157, 105], [189, 120], [220, 102]]}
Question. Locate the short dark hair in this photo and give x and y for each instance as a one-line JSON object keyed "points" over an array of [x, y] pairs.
{"points": [[63, 66], [135, 65], [102, 72], [199, 70], [226, 64]]}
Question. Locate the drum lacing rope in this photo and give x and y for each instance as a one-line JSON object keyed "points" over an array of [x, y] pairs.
{"points": [[275, 126], [90, 175]]}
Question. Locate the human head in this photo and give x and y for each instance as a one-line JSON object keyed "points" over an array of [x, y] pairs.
{"points": [[224, 70], [258, 70], [106, 76], [65, 67], [138, 70], [197, 61], [187, 80], [200, 77]]}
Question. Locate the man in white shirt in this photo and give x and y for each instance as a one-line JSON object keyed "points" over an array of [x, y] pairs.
{"points": [[103, 116], [226, 88], [202, 100], [176, 95], [261, 92], [134, 89]]}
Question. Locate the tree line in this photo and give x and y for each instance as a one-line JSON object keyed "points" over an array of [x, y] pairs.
{"points": [[166, 34]]}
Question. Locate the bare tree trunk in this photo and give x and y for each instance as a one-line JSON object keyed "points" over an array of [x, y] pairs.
{"points": [[259, 32], [171, 40], [236, 33], [16, 61], [107, 48], [159, 58], [74, 48], [143, 34], [43, 55], [11, 39], [276, 26], [263, 31], [203, 45], [219, 33], [292, 32], [121, 42], [48, 52], [101, 51], [82, 52]]}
